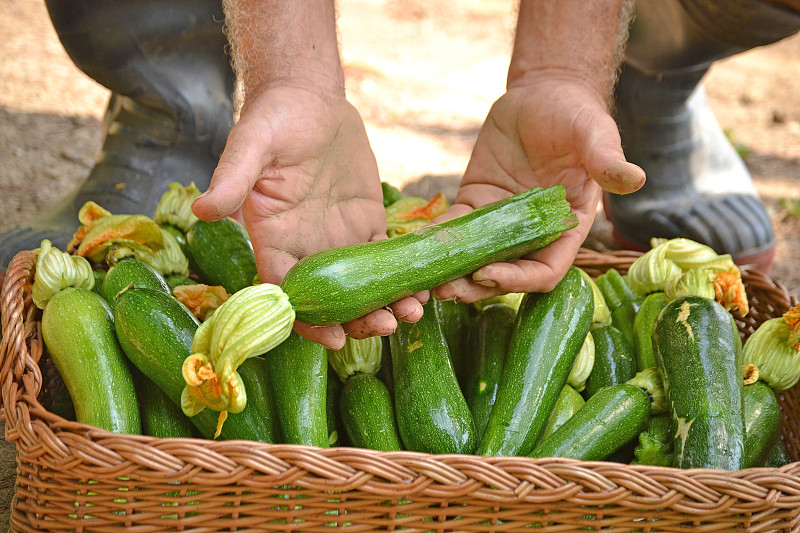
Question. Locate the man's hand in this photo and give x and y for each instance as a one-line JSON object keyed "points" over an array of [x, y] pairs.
{"points": [[299, 165], [551, 130]]}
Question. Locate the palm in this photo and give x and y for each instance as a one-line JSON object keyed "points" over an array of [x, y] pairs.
{"points": [[540, 136]]}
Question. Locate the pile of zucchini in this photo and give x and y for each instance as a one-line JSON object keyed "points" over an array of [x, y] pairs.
{"points": [[161, 327]]}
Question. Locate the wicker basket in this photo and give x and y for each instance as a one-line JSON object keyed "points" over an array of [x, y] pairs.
{"points": [[78, 478]]}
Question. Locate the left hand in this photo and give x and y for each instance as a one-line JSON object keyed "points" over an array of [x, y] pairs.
{"points": [[553, 130]]}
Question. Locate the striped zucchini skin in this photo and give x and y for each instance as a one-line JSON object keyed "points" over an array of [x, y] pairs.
{"points": [[160, 416], [606, 422], [368, 414], [548, 334], [78, 330], [643, 329], [340, 284], [155, 330], [698, 353], [432, 413], [299, 373]]}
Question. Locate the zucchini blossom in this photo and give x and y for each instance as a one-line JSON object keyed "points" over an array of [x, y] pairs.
{"points": [[100, 230], [650, 380], [584, 362], [694, 282], [411, 213], [175, 206], [56, 270], [167, 260], [774, 350], [651, 271], [602, 314], [358, 356], [201, 299], [251, 322]]}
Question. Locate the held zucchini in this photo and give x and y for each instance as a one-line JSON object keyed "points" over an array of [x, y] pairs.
{"points": [[432, 414], [78, 330], [549, 332], [699, 357], [340, 284]]}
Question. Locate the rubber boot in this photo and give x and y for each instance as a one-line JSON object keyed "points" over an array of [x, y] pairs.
{"points": [[169, 113], [697, 185]]}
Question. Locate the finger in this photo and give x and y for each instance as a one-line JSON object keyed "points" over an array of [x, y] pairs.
{"points": [[605, 161], [245, 156], [408, 309], [329, 336], [377, 323], [464, 290]]}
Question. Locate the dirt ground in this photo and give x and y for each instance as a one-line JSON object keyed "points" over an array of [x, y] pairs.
{"points": [[423, 75]]}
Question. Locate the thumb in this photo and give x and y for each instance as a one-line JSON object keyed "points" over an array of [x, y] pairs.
{"points": [[605, 161], [246, 155]]}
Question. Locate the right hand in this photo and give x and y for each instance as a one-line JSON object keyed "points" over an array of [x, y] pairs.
{"points": [[299, 165]]}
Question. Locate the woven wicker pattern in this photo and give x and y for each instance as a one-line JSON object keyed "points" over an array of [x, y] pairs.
{"points": [[73, 477]]}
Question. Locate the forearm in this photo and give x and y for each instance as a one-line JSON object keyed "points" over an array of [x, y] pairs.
{"points": [[284, 41], [575, 38]]}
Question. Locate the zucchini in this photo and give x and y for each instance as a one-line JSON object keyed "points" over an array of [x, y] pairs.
{"points": [[368, 414], [432, 413], [699, 356], [390, 194], [340, 284], [568, 403], [155, 330], [333, 391], [78, 330], [220, 253], [778, 456], [455, 317], [643, 322], [160, 416], [492, 334], [131, 271], [614, 361], [622, 301], [549, 331], [655, 443], [762, 423], [176, 280], [299, 372], [257, 381], [608, 421]]}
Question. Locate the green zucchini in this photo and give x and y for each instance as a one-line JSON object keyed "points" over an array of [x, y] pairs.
{"points": [[655, 443], [548, 334], [78, 330], [778, 456], [492, 334], [336, 433], [568, 403], [762, 423], [368, 414], [175, 280], [455, 317], [390, 194], [160, 416], [622, 301], [255, 374], [608, 421], [155, 330], [614, 360], [698, 354], [340, 284], [643, 322], [99, 275], [220, 253], [131, 271], [299, 374], [432, 413]]}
